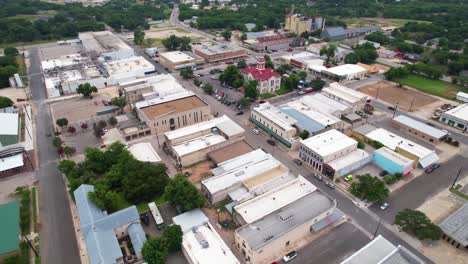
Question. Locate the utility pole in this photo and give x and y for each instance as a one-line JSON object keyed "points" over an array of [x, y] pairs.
{"points": [[396, 108], [456, 178], [412, 102], [30, 245], [377, 228]]}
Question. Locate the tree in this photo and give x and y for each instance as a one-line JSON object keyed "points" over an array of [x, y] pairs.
{"points": [[10, 51], [86, 90], [304, 134], [250, 89], [173, 234], [244, 102], [138, 36], [57, 142], [290, 83], [302, 75], [71, 130], [317, 84], [155, 250], [241, 64], [62, 122], [5, 102], [370, 188], [283, 68], [179, 191], [208, 88], [329, 52], [232, 76], [112, 121], [68, 151], [186, 73], [378, 37], [226, 34], [364, 53], [84, 126], [120, 102], [171, 43], [417, 223], [268, 62], [243, 37]]}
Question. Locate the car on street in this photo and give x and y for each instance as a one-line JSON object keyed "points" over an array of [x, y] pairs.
{"points": [[330, 185], [105, 130], [432, 168], [384, 206], [256, 132], [271, 142], [240, 113], [214, 77], [290, 256], [383, 173], [300, 92], [319, 177], [391, 108], [348, 178], [298, 162], [430, 124]]}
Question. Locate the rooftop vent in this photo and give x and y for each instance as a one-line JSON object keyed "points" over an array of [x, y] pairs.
{"points": [[200, 238]]}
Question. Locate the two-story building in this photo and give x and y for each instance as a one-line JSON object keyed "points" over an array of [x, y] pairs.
{"points": [[268, 81]]}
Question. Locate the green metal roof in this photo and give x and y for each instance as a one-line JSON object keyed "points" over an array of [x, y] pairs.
{"points": [[9, 227]]}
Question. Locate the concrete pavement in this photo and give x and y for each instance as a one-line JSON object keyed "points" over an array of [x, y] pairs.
{"points": [[58, 241]]}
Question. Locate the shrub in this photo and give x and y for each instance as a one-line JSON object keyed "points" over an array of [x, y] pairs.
{"points": [[390, 179], [398, 175]]}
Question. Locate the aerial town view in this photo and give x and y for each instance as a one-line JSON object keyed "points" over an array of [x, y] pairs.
{"points": [[233, 131]]}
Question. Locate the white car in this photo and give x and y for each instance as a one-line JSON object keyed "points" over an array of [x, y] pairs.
{"points": [[105, 130], [290, 256], [384, 206], [256, 132]]}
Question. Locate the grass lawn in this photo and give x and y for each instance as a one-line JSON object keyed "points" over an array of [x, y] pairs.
{"points": [[282, 90], [22, 70], [144, 206], [365, 21], [431, 86], [266, 95]]}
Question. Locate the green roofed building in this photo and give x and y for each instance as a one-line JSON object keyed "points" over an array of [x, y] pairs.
{"points": [[9, 129], [9, 227]]}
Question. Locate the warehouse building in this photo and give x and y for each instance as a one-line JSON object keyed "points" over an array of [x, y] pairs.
{"points": [[456, 117], [176, 60], [127, 69], [106, 45], [200, 241], [219, 52], [144, 152], [172, 111], [191, 144], [380, 250], [347, 96], [281, 231], [275, 123], [275, 42], [461, 96], [392, 162], [339, 33], [10, 129], [455, 228], [419, 154], [345, 72], [244, 177], [418, 129]]}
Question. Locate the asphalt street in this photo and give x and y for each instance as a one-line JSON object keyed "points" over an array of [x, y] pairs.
{"points": [[58, 240]]}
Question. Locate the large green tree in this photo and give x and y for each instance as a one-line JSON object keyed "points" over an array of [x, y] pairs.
{"points": [[232, 76], [155, 250], [417, 223], [120, 102], [370, 188], [86, 90], [138, 36], [226, 34], [329, 52], [5, 102], [173, 234], [251, 89], [186, 72], [179, 191]]}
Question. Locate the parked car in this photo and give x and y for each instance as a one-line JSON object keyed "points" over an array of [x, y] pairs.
{"points": [[308, 90], [348, 178], [330, 185], [319, 177], [383, 173], [300, 92], [290, 256], [391, 108], [20, 100], [271, 142], [240, 113], [187, 173], [298, 162], [432, 168], [384, 206], [256, 132], [105, 130]]}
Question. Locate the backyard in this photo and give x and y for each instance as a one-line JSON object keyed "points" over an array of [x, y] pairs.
{"points": [[431, 86]]}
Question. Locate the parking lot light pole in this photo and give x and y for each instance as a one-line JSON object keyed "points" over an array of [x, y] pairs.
{"points": [[456, 178]]}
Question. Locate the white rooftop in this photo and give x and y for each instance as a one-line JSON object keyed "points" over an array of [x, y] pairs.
{"points": [[329, 142], [276, 116], [128, 65], [144, 152], [346, 69], [167, 97], [176, 56], [393, 156], [420, 126], [197, 144], [9, 123], [349, 159], [11, 162], [317, 68], [323, 104], [275, 199], [313, 62], [240, 169], [322, 118], [462, 97], [224, 124], [297, 55], [347, 94], [62, 61], [102, 41], [460, 112]]}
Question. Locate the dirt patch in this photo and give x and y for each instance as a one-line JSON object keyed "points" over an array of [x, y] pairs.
{"points": [[165, 33], [199, 172], [407, 99]]}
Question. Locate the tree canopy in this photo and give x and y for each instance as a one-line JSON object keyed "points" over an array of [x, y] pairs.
{"points": [[120, 102], [186, 73], [329, 52], [5, 102], [417, 223], [155, 250], [251, 89], [177, 43], [86, 89], [138, 36], [364, 53], [232, 76], [173, 234], [370, 188], [179, 191]]}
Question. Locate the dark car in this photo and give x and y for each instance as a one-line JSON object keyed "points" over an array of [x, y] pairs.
{"points": [[383, 173], [145, 218], [432, 168], [240, 113], [391, 108], [298, 162], [271, 142]]}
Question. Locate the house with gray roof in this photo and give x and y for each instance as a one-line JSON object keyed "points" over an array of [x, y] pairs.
{"points": [[102, 232], [339, 33], [455, 227]]}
